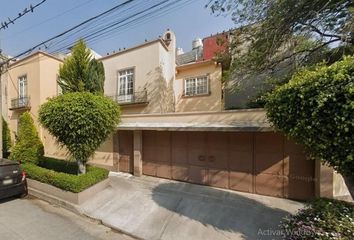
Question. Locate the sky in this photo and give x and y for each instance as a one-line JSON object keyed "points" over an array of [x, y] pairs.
{"points": [[189, 21]]}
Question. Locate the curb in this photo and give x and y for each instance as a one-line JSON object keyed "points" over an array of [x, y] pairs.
{"points": [[74, 209]]}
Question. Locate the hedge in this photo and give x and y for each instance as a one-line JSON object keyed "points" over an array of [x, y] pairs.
{"points": [[65, 181], [316, 109], [59, 165], [321, 219]]}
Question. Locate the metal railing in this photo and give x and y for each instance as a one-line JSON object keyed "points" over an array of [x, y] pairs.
{"points": [[135, 98], [22, 102]]}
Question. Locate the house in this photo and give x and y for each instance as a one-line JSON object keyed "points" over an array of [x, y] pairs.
{"points": [[174, 126]]}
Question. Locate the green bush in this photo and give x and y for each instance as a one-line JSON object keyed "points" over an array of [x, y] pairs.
{"points": [[58, 165], [81, 121], [6, 139], [316, 108], [28, 147], [321, 219], [65, 181]]}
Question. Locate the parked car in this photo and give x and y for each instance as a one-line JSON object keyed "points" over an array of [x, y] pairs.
{"points": [[12, 179]]}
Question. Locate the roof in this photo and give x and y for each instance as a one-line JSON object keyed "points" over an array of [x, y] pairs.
{"points": [[189, 57], [195, 64], [246, 120], [34, 54], [158, 40]]}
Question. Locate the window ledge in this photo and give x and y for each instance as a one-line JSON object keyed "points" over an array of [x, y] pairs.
{"points": [[197, 95]]}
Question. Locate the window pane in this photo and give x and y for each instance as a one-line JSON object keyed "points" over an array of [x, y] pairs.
{"points": [[126, 82]]}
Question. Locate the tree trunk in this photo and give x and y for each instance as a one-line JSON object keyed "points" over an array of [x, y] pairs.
{"points": [[81, 167]]}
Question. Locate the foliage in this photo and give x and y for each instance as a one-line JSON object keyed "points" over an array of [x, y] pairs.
{"points": [[65, 181], [6, 139], [321, 219], [80, 72], [58, 165], [28, 147], [316, 108], [286, 30], [81, 121]]}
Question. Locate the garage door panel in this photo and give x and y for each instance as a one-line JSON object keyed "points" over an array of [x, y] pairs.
{"points": [[197, 175], [300, 165], [290, 147], [163, 170], [124, 163], [299, 188], [218, 178], [125, 150], [197, 149], [241, 181], [241, 142], [241, 161], [179, 147], [271, 163], [268, 142], [149, 168], [268, 184], [180, 172]]}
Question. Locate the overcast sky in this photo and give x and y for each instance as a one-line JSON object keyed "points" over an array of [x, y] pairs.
{"points": [[189, 21]]}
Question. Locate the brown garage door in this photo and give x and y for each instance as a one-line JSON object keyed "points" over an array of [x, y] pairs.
{"points": [[263, 163]]}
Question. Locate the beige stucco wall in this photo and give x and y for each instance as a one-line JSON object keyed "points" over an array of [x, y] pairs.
{"points": [[210, 102], [154, 66]]}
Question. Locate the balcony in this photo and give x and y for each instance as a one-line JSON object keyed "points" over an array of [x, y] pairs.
{"points": [[135, 98], [20, 103]]}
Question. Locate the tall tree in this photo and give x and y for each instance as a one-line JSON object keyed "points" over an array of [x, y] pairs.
{"points": [[80, 72], [278, 30]]}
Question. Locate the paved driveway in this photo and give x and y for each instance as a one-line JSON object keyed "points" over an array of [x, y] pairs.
{"points": [[151, 208]]}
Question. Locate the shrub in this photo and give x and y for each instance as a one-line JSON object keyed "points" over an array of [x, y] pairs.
{"points": [[322, 219], [81, 121], [6, 139], [58, 165], [316, 108], [28, 147], [65, 181]]}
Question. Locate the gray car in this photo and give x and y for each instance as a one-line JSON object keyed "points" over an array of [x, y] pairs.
{"points": [[12, 179]]}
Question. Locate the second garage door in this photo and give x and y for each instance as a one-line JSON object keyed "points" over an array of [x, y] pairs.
{"points": [[263, 163]]}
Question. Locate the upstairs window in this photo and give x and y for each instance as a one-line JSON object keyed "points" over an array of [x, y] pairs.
{"points": [[22, 87], [126, 82], [196, 86]]}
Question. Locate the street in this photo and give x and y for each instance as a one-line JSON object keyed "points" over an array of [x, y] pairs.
{"points": [[29, 219]]}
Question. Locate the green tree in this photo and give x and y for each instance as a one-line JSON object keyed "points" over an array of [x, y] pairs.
{"points": [[28, 147], [316, 108], [295, 30], [6, 139], [80, 72], [80, 121]]}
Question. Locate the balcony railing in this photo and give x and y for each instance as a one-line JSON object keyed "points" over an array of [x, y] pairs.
{"points": [[135, 98], [22, 102]]}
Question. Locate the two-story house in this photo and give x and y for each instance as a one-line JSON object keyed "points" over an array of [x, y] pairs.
{"points": [[174, 125]]}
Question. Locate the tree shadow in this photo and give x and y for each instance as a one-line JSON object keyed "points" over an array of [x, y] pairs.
{"points": [[232, 213]]}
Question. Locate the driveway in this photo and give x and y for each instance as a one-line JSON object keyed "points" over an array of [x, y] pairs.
{"points": [[152, 208], [33, 219]]}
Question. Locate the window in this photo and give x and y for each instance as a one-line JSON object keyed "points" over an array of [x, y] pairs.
{"points": [[196, 86], [125, 80], [22, 87]]}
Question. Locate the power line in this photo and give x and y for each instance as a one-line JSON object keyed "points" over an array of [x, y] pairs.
{"points": [[48, 19], [69, 30], [5, 24]]}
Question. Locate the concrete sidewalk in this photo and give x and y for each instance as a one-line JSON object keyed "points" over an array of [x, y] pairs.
{"points": [[151, 208]]}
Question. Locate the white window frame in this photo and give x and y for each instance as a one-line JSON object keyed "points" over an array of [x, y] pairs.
{"points": [[22, 87], [194, 85], [125, 77]]}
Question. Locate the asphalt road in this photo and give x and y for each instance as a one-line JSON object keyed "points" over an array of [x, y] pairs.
{"points": [[33, 219]]}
